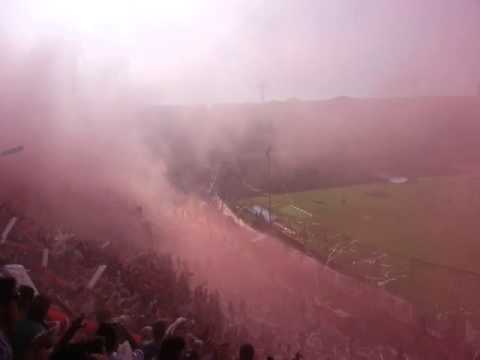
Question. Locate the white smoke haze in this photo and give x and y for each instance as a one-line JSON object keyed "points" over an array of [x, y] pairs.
{"points": [[80, 135], [78, 77], [219, 51], [86, 166]]}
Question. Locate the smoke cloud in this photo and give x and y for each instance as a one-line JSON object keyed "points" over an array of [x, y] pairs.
{"points": [[220, 52], [80, 102]]}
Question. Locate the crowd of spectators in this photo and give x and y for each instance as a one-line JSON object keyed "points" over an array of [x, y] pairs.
{"points": [[143, 305], [113, 300]]}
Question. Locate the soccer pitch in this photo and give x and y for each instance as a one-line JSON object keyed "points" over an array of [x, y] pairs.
{"points": [[434, 219]]}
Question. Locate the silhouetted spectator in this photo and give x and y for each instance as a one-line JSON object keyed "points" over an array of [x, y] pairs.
{"points": [[172, 348], [89, 350], [8, 316], [110, 338], [26, 295], [28, 329], [153, 349], [39, 310], [247, 352], [80, 350], [111, 334]]}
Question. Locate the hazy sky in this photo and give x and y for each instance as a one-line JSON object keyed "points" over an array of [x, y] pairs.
{"points": [[220, 50]]}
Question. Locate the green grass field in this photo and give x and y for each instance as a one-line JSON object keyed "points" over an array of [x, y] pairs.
{"points": [[434, 219]]}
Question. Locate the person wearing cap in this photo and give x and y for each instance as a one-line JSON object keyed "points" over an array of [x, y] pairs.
{"points": [[8, 315]]}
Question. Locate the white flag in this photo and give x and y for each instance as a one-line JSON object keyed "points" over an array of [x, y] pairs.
{"points": [[7, 229], [96, 276], [20, 274], [105, 245]]}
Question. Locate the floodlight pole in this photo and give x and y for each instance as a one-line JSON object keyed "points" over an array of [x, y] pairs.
{"points": [[269, 185]]}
